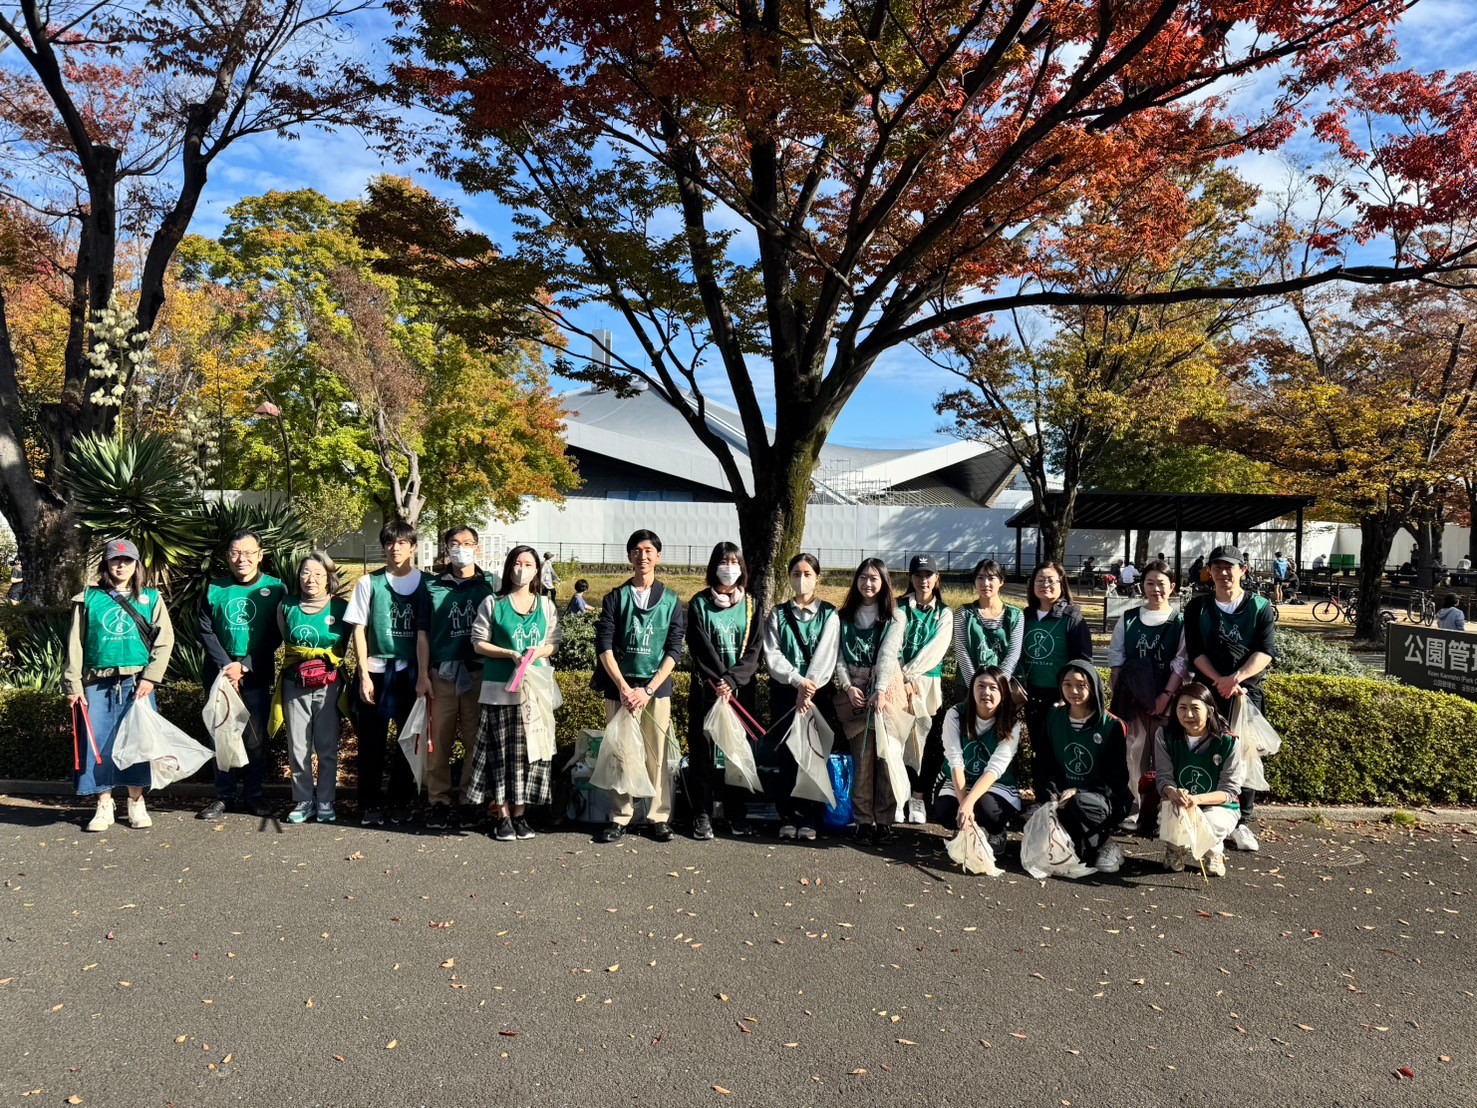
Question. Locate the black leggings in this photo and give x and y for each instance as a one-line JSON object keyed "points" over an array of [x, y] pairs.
{"points": [[1088, 818], [773, 750], [1258, 697], [990, 812]]}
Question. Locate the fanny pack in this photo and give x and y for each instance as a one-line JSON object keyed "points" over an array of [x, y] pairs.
{"points": [[315, 673]]}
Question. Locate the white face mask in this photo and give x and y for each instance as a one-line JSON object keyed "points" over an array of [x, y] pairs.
{"points": [[727, 574], [523, 574], [807, 583], [462, 556]]}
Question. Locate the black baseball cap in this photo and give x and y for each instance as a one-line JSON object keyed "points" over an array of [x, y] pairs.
{"points": [[922, 563], [1225, 554]]}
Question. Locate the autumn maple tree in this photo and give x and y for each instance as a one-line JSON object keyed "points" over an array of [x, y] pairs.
{"points": [[805, 186]]}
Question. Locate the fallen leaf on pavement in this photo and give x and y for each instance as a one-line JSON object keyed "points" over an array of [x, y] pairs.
{"points": [[719, 1089], [449, 963], [392, 1044]]}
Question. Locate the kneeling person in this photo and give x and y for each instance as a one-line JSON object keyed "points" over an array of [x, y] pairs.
{"points": [[981, 738], [1198, 764]]}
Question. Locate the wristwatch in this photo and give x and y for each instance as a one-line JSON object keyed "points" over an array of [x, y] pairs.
{"points": [[647, 690]]}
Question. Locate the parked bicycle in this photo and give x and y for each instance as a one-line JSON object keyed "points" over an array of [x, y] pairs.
{"points": [[1346, 607], [1421, 608]]}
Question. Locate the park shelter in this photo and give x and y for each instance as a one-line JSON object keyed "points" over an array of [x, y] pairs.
{"points": [[1221, 512]]}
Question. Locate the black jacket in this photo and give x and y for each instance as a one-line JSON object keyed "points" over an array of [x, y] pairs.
{"points": [[608, 633]]}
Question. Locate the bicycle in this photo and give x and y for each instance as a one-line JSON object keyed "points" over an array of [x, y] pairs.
{"points": [[1421, 608], [1336, 606], [1268, 592]]}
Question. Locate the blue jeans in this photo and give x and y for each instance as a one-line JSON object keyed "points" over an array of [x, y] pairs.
{"points": [[252, 776], [107, 700]]}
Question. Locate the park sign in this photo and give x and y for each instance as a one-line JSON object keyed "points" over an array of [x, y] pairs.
{"points": [[1430, 658]]}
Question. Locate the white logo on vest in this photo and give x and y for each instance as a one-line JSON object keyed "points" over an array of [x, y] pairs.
{"points": [[240, 612], [303, 636], [1079, 760], [1038, 644], [1195, 780], [117, 622]]}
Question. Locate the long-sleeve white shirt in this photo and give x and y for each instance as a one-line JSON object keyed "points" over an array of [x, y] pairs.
{"points": [[935, 648], [822, 662], [888, 650]]}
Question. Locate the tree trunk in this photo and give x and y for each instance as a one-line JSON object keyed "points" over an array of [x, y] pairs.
{"points": [[772, 519], [1470, 485], [53, 557], [1376, 536], [1141, 548]]}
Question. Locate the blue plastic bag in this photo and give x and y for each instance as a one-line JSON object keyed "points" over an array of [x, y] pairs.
{"points": [[839, 767]]}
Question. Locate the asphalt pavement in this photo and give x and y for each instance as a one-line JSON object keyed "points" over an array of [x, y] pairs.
{"points": [[256, 963]]}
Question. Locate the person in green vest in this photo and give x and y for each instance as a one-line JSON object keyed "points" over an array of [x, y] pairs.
{"points": [[315, 636], [872, 627], [802, 639], [1148, 661], [118, 649], [1231, 639], [930, 630], [390, 612], [724, 636], [638, 642], [981, 737], [1198, 764], [457, 594], [520, 618], [1082, 764], [238, 629], [1055, 634], [989, 631]]}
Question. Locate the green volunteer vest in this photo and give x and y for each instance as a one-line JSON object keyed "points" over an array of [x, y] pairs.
{"points": [[726, 628], [642, 641], [112, 639], [977, 754], [922, 624], [988, 646], [512, 631], [392, 627], [795, 648], [1199, 771], [1078, 751], [320, 630], [858, 647], [1044, 651], [1237, 630], [1157, 645], [243, 615], [453, 611]]}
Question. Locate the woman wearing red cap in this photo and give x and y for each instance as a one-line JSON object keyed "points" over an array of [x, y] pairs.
{"points": [[117, 651]]}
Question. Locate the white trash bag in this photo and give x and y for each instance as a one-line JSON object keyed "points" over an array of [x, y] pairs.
{"points": [[971, 850], [1046, 848], [541, 698], [226, 718], [890, 754], [1188, 830], [172, 755], [620, 767], [1257, 738], [810, 741], [415, 739], [723, 727]]}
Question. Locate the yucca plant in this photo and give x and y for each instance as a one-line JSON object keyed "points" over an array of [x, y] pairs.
{"points": [[37, 651]]}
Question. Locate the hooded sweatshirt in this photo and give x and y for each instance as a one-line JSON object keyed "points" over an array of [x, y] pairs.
{"points": [[1088, 754]]}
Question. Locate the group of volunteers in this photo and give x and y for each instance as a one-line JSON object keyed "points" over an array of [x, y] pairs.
{"points": [[463, 654]]}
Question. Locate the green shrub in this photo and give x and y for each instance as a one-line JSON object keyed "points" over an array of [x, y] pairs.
{"points": [[577, 646], [1299, 653]]}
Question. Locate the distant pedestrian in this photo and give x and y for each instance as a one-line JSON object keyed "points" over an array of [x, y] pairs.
{"points": [[1450, 616], [549, 577], [578, 605]]}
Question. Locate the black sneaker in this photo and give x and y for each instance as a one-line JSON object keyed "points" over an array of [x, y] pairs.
{"points": [[438, 817], [702, 828], [262, 808], [661, 832], [885, 834], [470, 816], [865, 834], [521, 828], [505, 832], [215, 810], [400, 814], [740, 828], [610, 833], [373, 817]]}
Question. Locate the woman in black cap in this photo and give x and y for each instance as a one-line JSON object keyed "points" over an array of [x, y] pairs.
{"points": [[926, 639]]}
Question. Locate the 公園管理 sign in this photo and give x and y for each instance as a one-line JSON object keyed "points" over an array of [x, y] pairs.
{"points": [[1428, 658]]}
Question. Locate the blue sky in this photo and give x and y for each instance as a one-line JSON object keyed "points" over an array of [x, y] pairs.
{"points": [[894, 405]]}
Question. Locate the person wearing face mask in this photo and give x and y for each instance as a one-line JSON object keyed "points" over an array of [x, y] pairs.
{"points": [[518, 620], [638, 642], [724, 636], [456, 670], [1055, 635], [930, 630], [871, 636], [315, 639], [801, 640], [117, 651], [989, 631], [238, 629]]}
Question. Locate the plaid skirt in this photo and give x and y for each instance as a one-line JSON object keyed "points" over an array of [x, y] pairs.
{"points": [[501, 771]]}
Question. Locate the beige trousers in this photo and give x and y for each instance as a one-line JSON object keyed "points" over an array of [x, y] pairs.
{"points": [[655, 720], [453, 717]]}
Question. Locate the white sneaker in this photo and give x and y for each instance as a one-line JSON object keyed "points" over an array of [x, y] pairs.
{"points": [[916, 812], [1109, 859], [1243, 838], [138, 815], [806, 833], [1215, 862], [787, 831], [1174, 858], [102, 819]]}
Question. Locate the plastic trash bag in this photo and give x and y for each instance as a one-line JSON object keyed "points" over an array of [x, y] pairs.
{"points": [[922, 706], [1046, 848], [723, 727], [1257, 739], [971, 850], [541, 697], [620, 767], [172, 754], [810, 741], [415, 739], [1189, 830], [838, 815], [890, 754], [226, 718]]}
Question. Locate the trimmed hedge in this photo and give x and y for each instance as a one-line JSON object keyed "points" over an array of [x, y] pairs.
{"points": [[1345, 740]]}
